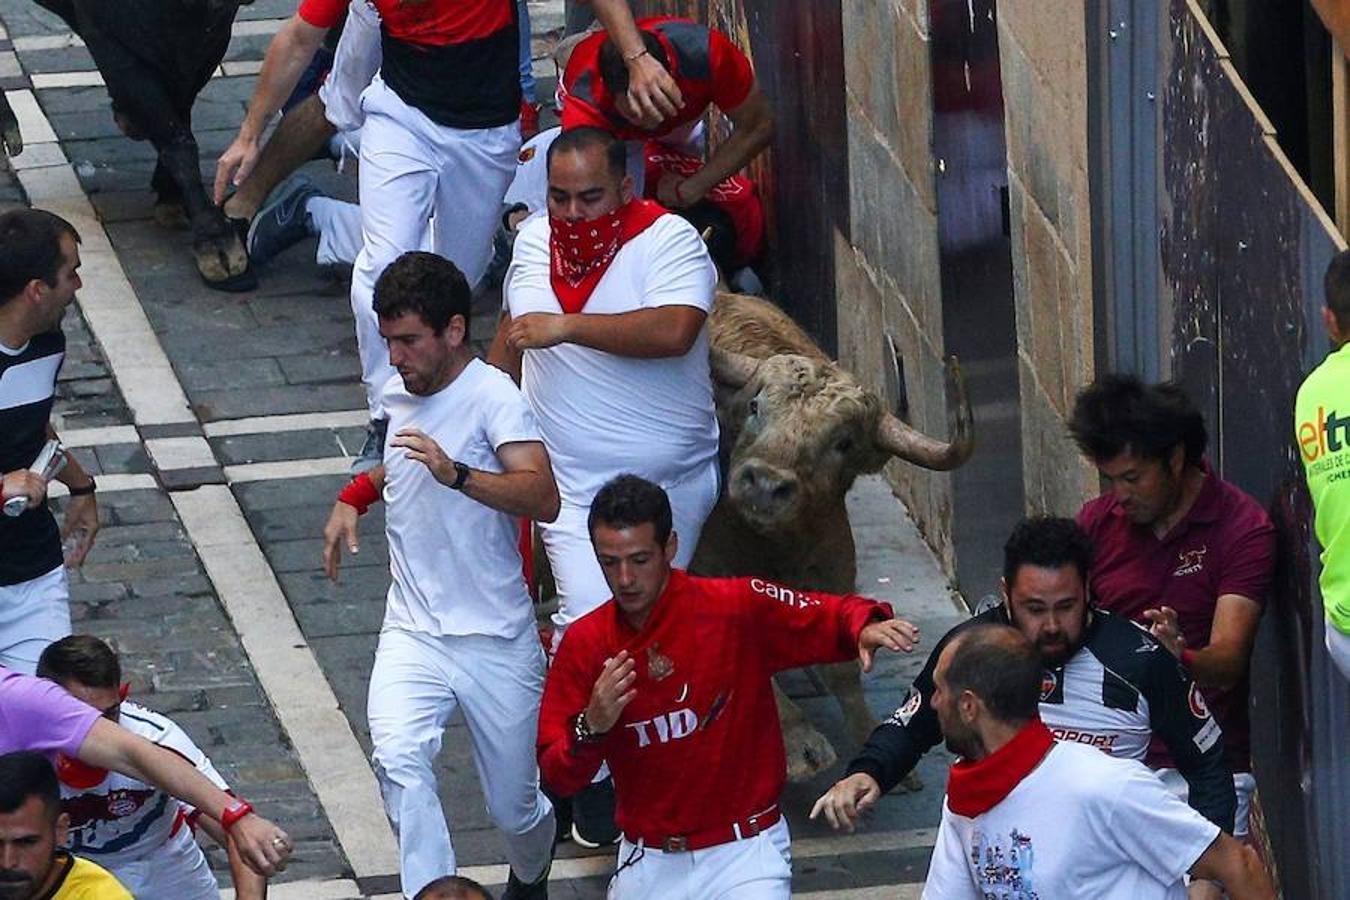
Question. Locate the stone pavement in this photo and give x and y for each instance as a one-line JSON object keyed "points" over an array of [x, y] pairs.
{"points": [[207, 572]]}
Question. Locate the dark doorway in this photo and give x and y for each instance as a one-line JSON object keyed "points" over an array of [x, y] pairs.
{"points": [[975, 254]]}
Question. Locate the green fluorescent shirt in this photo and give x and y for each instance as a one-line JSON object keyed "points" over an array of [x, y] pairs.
{"points": [[1322, 431]]}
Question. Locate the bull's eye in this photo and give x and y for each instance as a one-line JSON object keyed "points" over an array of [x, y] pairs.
{"points": [[843, 445], [754, 406]]}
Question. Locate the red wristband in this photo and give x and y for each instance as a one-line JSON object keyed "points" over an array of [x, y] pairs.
{"points": [[359, 493], [1188, 657], [234, 812]]}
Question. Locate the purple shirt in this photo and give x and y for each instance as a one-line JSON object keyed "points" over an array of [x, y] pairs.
{"points": [[1225, 544], [36, 714]]}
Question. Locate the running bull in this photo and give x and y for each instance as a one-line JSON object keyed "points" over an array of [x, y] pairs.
{"points": [[155, 56], [796, 431]]}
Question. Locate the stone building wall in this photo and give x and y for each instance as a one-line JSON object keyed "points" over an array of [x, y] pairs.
{"points": [[1043, 61]]}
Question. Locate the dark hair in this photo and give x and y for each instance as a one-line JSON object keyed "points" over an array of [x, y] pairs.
{"points": [[578, 140], [453, 887], [426, 285], [31, 242], [25, 774], [629, 501], [613, 68], [1337, 286], [1000, 666], [83, 658], [1119, 413], [721, 240], [1048, 542]]}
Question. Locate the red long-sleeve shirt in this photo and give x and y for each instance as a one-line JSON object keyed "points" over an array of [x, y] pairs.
{"points": [[699, 746]]}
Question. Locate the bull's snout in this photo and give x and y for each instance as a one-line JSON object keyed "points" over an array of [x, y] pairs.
{"points": [[763, 491]]}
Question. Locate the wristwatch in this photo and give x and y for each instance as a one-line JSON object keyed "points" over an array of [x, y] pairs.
{"points": [[581, 730], [84, 491], [461, 476]]}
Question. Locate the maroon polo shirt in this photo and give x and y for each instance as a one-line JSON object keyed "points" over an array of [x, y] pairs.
{"points": [[1224, 545]]}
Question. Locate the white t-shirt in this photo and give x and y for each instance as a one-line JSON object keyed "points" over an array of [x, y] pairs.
{"points": [[1082, 824], [603, 414], [121, 820], [455, 562], [530, 183]]}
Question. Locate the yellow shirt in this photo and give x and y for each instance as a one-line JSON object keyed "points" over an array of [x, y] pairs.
{"points": [[83, 880]]}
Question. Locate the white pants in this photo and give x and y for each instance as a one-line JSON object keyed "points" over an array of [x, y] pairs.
{"points": [[33, 613], [418, 681], [567, 541], [757, 868], [338, 225], [411, 170], [1338, 645], [355, 63], [177, 870], [1244, 785]]}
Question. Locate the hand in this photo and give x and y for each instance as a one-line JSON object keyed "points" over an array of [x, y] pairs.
{"points": [[535, 331], [1163, 626], [893, 634], [341, 529], [654, 94], [235, 165], [81, 522], [263, 846], [847, 800], [673, 192], [423, 449], [11, 139], [24, 483], [612, 692]]}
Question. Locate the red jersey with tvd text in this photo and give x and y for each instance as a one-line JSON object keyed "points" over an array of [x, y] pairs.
{"points": [[708, 68], [699, 747]]}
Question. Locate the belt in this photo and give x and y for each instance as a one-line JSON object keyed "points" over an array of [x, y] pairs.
{"points": [[710, 837]]}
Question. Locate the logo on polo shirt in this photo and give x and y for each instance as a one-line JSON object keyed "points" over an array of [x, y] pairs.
{"points": [[913, 703], [1190, 561], [1329, 433], [1049, 681], [1199, 708]]}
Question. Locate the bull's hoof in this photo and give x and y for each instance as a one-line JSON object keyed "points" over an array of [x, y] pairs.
{"points": [[808, 752], [223, 263], [171, 215], [910, 784]]}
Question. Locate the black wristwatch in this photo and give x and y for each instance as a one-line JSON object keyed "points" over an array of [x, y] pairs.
{"points": [[581, 730], [84, 491], [461, 476]]}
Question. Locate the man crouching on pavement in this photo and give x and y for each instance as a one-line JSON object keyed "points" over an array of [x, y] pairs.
{"points": [[670, 682]]}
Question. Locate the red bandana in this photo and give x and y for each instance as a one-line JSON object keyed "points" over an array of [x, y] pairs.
{"points": [[977, 787], [580, 252]]}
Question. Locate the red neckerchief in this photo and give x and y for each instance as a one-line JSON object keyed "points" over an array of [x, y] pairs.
{"points": [[580, 252], [974, 788]]}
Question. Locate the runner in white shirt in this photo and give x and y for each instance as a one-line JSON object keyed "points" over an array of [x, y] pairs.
{"points": [[1027, 817], [464, 462], [606, 301], [133, 829]]}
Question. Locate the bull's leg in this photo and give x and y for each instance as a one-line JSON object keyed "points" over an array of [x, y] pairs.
{"points": [[11, 139], [808, 751], [845, 683], [170, 211]]}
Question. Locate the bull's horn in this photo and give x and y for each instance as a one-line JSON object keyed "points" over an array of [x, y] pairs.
{"points": [[732, 369], [899, 439]]}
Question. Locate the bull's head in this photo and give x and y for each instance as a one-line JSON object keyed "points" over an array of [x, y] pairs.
{"points": [[800, 430]]}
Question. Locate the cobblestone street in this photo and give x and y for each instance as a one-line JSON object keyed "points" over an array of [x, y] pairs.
{"points": [[221, 427]]}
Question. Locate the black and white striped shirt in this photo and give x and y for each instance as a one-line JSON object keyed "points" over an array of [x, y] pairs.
{"points": [[30, 545]]}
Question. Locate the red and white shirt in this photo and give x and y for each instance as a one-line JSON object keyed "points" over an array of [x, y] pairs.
{"points": [[704, 702], [708, 68]]}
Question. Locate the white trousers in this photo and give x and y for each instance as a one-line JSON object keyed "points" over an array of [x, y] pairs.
{"points": [[176, 870], [1338, 645], [33, 613], [355, 63], [1244, 785], [418, 681], [338, 225], [567, 541], [411, 170], [757, 868]]}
